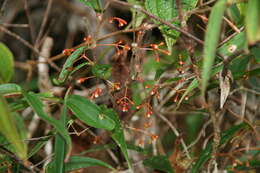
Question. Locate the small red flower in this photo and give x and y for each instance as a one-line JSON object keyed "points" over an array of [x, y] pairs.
{"points": [[68, 52], [121, 22]]}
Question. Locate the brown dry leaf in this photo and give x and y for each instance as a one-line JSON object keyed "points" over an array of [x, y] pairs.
{"points": [[225, 77]]}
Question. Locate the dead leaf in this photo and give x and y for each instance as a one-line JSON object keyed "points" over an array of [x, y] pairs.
{"points": [[225, 77]]}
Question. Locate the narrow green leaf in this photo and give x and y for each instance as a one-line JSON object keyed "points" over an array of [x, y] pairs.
{"points": [[228, 134], [9, 130], [37, 106], [89, 112], [167, 10], [207, 152], [211, 41], [78, 162], [60, 145], [117, 132], [252, 21], [37, 147], [159, 163], [6, 65], [194, 84], [10, 88], [66, 69], [102, 71], [205, 155]]}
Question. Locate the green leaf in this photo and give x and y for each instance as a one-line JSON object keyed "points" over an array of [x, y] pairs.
{"points": [[89, 112], [102, 71], [37, 106], [94, 4], [237, 43], [159, 163], [6, 65], [238, 66], [256, 52], [9, 130], [117, 132], [167, 10], [211, 41], [10, 88], [207, 152], [193, 124], [252, 21], [78, 162], [66, 69]]}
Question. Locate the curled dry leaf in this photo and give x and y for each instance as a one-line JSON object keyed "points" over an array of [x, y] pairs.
{"points": [[225, 77]]}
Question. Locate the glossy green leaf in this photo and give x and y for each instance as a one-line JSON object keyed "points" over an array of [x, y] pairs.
{"points": [[211, 41], [159, 163], [89, 112], [9, 130], [66, 69], [207, 152], [6, 65], [252, 21], [167, 10], [117, 132], [10, 88], [37, 106], [102, 71], [78, 162]]}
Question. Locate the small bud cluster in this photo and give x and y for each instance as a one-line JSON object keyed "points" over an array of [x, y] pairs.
{"points": [[181, 63], [156, 48], [148, 107], [154, 91], [124, 102]]}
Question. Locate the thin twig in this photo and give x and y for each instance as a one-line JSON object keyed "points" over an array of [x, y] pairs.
{"points": [[233, 26], [175, 131], [31, 27], [44, 21], [27, 44]]}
